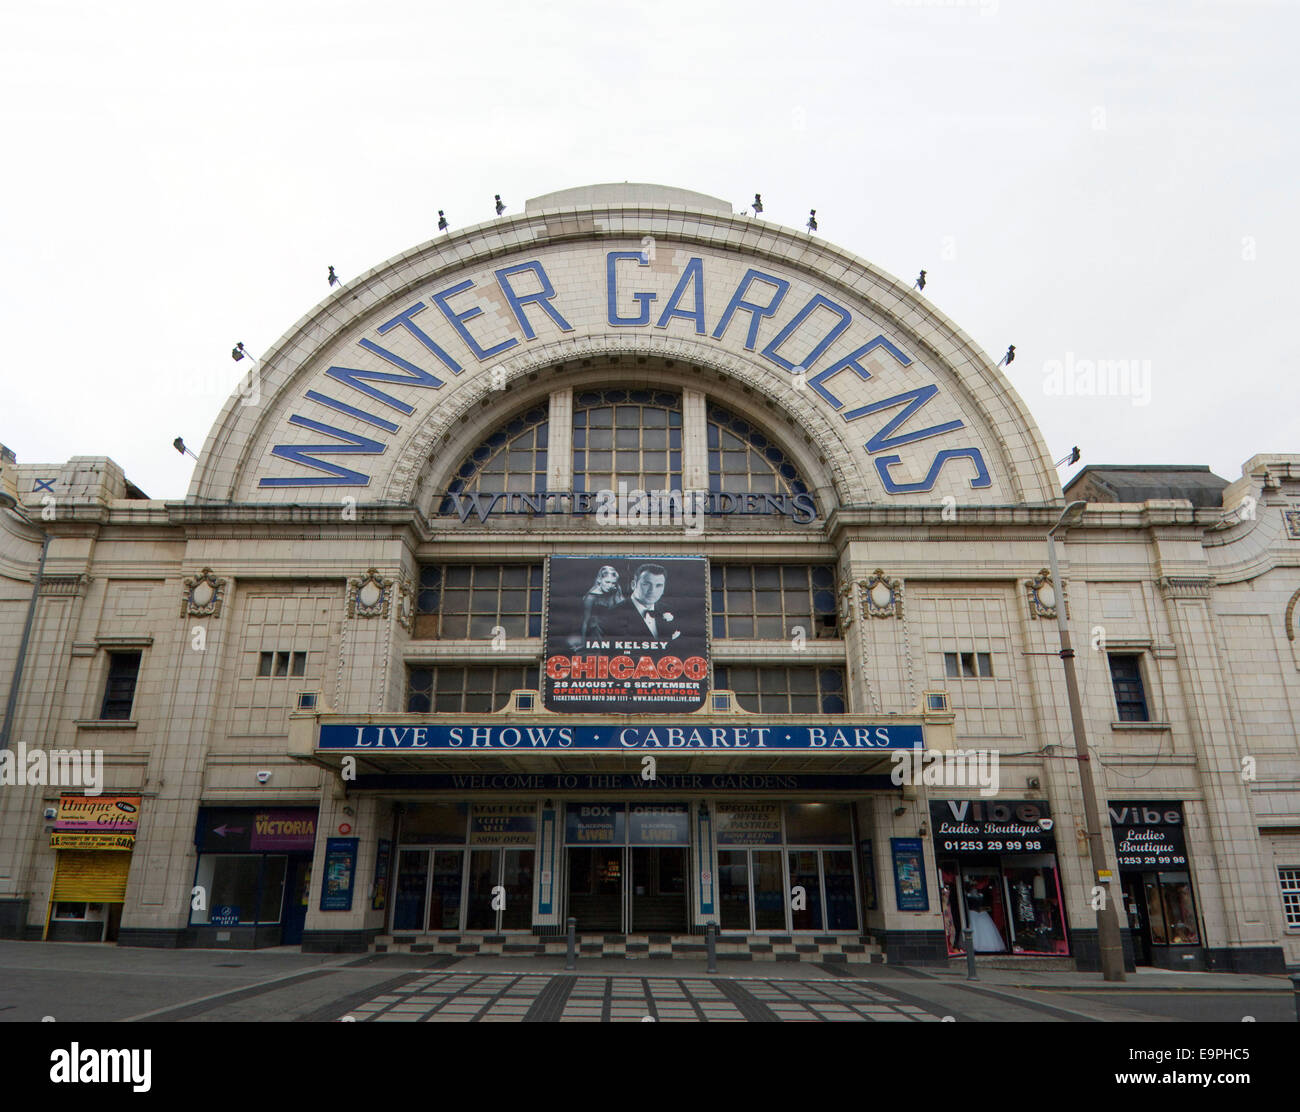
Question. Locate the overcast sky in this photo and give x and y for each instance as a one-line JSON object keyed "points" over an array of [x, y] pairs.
{"points": [[1089, 181]]}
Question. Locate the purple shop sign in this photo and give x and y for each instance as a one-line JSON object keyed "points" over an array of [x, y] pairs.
{"points": [[284, 830]]}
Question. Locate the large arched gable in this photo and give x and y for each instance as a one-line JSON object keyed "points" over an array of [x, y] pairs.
{"points": [[360, 394]]}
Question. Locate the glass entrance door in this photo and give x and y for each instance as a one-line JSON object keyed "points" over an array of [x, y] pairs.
{"points": [[596, 887], [411, 889], [511, 871], [445, 892], [830, 893], [658, 890], [751, 893]]}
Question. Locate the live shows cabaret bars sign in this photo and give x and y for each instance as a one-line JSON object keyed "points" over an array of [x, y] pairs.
{"points": [[684, 736], [626, 635]]}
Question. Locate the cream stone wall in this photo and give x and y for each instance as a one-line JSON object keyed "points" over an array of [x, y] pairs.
{"points": [[1200, 594]]}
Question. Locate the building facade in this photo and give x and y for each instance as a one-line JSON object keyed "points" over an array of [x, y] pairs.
{"points": [[632, 561]]}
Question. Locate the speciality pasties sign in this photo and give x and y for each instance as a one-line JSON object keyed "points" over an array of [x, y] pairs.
{"points": [[626, 635]]}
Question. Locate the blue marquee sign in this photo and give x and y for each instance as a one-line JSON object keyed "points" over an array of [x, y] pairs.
{"points": [[614, 738]]}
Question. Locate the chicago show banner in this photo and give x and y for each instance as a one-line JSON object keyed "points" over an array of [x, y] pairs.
{"points": [[626, 635]]}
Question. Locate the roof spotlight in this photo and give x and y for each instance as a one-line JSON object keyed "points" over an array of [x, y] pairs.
{"points": [[237, 352], [442, 221], [920, 282], [758, 203], [333, 278], [812, 220], [500, 205]]}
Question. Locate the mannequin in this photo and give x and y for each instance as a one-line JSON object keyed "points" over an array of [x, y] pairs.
{"points": [[987, 937]]}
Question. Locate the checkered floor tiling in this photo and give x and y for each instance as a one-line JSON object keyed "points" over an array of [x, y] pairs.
{"points": [[512, 998]]}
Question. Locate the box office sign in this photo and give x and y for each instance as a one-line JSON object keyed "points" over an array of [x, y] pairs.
{"points": [[595, 824], [256, 830], [659, 824], [992, 826], [1149, 835], [626, 635], [101, 814], [503, 824]]}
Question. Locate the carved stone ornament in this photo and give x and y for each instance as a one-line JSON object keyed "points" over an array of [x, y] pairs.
{"points": [[406, 604], [881, 597], [846, 607], [1292, 520], [1290, 617], [369, 596], [203, 595], [1042, 595]]}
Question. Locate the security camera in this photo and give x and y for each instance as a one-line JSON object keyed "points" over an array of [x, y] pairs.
{"points": [[1045, 824], [51, 812], [263, 777]]}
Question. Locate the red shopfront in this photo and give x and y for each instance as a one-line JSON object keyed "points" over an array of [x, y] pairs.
{"points": [[999, 876]]}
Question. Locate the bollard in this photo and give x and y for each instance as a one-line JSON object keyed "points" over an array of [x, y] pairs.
{"points": [[571, 957], [968, 940], [711, 944], [1295, 985]]}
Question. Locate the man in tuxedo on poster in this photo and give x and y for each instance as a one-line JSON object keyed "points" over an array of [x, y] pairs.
{"points": [[638, 617]]}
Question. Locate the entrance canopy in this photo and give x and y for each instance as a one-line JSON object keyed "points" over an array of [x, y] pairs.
{"points": [[556, 752]]}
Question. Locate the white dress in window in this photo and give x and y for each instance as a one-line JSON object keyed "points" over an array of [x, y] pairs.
{"points": [[987, 938]]}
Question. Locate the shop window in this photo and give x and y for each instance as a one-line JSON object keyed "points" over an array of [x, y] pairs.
{"points": [[1130, 695], [119, 690], [466, 690], [742, 460], [1289, 879], [430, 824], [511, 460], [461, 602], [248, 887], [629, 436], [973, 665], [69, 910], [1011, 903], [768, 601], [278, 664], [817, 824], [795, 690]]}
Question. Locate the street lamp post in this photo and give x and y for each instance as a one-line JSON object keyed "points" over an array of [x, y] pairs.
{"points": [[1108, 939]]}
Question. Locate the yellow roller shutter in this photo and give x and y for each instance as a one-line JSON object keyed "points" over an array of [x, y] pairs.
{"points": [[82, 876]]}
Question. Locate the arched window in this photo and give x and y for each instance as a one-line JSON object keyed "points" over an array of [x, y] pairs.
{"points": [[742, 459], [632, 436], [512, 459]]}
